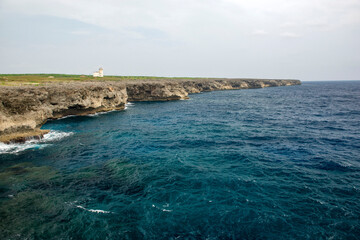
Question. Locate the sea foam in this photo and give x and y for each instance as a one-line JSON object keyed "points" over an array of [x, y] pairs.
{"points": [[52, 136], [127, 105], [93, 210]]}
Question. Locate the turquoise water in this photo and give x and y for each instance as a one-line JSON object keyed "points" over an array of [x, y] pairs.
{"points": [[273, 163]]}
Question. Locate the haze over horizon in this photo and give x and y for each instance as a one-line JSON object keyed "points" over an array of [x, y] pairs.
{"points": [[301, 39]]}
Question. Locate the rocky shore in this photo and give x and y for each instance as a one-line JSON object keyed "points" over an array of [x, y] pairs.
{"points": [[24, 109]]}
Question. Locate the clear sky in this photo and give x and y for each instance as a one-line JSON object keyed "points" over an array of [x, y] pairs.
{"points": [[303, 39]]}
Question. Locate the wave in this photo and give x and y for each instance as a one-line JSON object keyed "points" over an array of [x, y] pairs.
{"points": [[18, 147], [129, 104], [162, 209], [64, 117], [93, 210], [334, 166], [91, 114], [55, 136], [99, 113], [33, 143]]}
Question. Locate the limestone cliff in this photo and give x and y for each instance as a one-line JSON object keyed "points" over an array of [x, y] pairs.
{"points": [[155, 91], [23, 110]]}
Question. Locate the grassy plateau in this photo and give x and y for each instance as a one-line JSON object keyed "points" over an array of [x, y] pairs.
{"points": [[39, 79]]}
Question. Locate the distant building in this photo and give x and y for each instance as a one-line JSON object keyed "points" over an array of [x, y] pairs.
{"points": [[99, 73]]}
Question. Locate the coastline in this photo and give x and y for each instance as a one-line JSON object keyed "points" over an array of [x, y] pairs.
{"points": [[24, 109]]}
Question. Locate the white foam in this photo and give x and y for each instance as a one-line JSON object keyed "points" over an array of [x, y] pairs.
{"points": [[93, 210], [166, 210], [129, 104], [100, 113], [19, 147], [162, 209], [55, 136], [68, 116], [33, 143]]}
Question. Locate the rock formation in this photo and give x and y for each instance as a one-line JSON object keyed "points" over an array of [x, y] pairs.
{"points": [[23, 110]]}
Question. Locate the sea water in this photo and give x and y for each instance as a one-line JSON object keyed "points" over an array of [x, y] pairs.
{"points": [[272, 163]]}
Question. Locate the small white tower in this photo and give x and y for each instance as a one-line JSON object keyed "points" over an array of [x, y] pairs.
{"points": [[99, 73]]}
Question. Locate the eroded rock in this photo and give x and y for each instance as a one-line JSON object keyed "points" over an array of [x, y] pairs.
{"points": [[24, 109]]}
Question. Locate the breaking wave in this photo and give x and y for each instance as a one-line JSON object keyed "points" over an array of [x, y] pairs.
{"points": [[129, 104], [93, 210], [52, 136]]}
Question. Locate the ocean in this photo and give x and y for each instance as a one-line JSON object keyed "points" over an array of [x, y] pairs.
{"points": [[271, 163]]}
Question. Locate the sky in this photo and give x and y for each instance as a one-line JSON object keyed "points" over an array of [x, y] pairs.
{"points": [[297, 39]]}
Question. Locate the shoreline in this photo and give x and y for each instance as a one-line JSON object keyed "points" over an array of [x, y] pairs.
{"points": [[24, 109]]}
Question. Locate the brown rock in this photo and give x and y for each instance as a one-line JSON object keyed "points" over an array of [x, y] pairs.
{"points": [[24, 109]]}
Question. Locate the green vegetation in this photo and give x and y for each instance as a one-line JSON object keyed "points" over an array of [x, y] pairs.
{"points": [[39, 79]]}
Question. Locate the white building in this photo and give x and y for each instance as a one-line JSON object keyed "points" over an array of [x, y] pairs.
{"points": [[99, 73]]}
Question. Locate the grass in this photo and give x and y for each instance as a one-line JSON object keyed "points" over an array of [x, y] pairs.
{"points": [[39, 79]]}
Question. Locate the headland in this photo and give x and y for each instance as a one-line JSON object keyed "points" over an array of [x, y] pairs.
{"points": [[28, 101]]}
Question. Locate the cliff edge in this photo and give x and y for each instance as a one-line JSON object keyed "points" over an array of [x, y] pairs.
{"points": [[24, 109]]}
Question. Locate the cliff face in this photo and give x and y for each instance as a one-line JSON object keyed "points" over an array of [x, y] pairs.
{"points": [[155, 91], [176, 90], [228, 84], [23, 110]]}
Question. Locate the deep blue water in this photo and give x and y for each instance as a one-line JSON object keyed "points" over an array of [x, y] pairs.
{"points": [[272, 163]]}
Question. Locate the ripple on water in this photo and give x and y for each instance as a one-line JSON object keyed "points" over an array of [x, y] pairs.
{"points": [[275, 163]]}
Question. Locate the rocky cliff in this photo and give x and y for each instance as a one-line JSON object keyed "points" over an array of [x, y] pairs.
{"points": [[23, 110]]}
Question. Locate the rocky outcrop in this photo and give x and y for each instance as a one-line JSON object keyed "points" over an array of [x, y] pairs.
{"points": [[155, 91], [228, 84], [180, 88], [23, 110]]}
